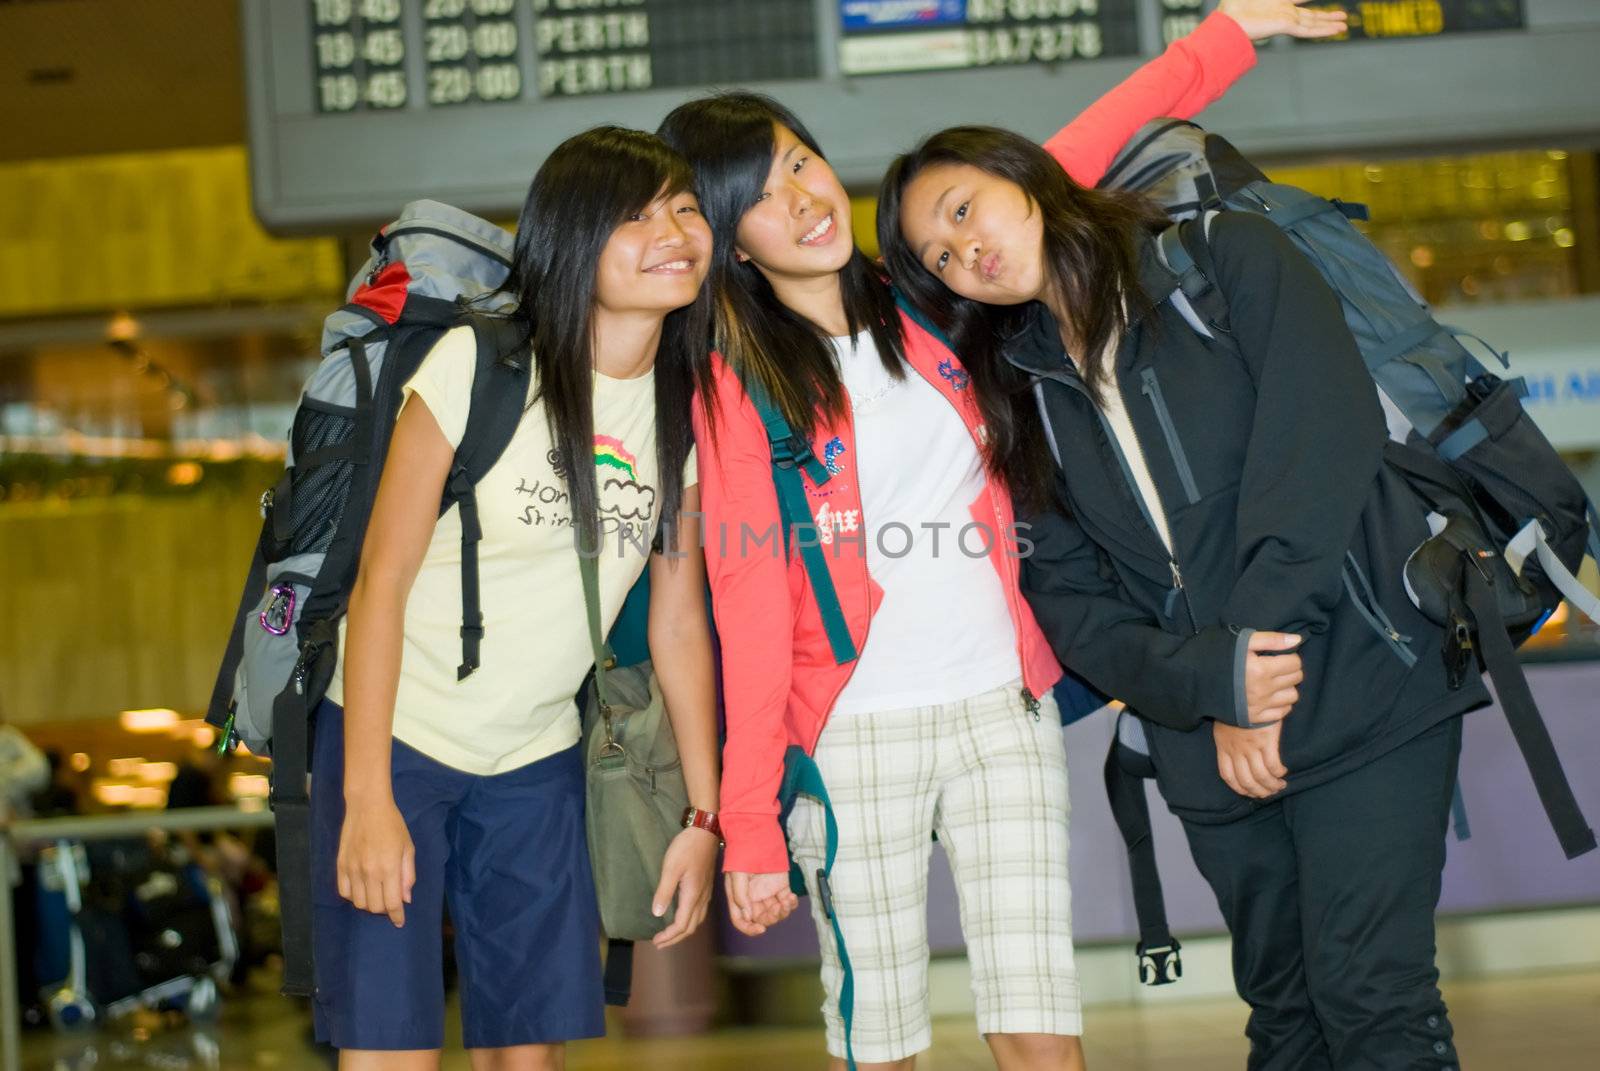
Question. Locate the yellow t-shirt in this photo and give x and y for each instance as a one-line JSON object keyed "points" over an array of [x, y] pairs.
{"points": [[518, 706]]}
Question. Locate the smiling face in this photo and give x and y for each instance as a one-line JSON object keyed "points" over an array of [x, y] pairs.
{"points": [[799, 226], [979, 234], [656, 260]]}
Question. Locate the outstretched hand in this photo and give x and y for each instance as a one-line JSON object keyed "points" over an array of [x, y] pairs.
{"points": [[1261, 19]]}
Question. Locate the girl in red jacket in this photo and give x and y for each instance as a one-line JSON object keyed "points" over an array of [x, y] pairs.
{"points": [[933, 713]]}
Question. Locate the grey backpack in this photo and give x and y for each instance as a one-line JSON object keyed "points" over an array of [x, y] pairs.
{"points": [[425, 269], [1511, 523]]}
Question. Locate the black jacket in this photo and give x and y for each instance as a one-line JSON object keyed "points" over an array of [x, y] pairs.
{"points": [[1266, 446]]}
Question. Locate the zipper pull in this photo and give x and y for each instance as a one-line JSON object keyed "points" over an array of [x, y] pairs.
{"points": [[1177, 577], [1031, 703]]}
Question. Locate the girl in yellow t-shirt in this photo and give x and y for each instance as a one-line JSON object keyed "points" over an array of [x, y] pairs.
{"points": [[433, 790]]}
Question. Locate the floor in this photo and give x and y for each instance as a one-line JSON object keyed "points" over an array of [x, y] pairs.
{"points": [[1545, 1022]]}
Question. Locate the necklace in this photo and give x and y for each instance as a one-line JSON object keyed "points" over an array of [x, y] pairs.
{"points": [[865, 403]]}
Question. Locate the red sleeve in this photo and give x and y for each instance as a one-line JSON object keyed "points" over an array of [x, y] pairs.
{"points": [[753, 608], [1190, 74]]}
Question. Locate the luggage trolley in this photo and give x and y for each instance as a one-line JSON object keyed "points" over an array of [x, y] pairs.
{"points": [[157, 937]]}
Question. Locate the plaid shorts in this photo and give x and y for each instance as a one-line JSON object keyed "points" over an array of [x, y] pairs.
{"points": [[992, 782]]}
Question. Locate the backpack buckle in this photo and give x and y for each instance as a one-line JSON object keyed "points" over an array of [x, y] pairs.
{"points": [[1160, 966], [787, 453], [278, 614]]}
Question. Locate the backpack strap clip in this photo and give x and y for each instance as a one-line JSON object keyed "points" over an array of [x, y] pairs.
{"points": [[1196, 297], [1160, 966], [786, 453]]}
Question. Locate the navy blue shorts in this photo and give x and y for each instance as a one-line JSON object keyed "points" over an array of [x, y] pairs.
{"points": [[507, 853]]}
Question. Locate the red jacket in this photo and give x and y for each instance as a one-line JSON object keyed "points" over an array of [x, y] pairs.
{"points": [[779, 677]]}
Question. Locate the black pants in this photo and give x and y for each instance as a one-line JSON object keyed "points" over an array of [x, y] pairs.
{"points": [[1329, 895]]}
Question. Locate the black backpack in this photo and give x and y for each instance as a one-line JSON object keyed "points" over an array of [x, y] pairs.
{"points": [[425, 269], [1511, 522]]}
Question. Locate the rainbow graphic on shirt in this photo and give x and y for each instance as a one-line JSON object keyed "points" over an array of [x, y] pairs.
{"points": [[610, 453]]}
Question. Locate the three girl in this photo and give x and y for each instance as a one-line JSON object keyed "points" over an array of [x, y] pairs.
{"points": [[1219, 543], [433, 790]]}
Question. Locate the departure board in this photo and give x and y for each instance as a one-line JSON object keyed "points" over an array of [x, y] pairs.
{"points": [[358, 53], [1179, 18], [357, 106], [889, 36], [609, 46], [1373, 20], [472, 49]]}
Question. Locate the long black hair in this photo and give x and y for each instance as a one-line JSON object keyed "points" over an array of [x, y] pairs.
{"points": [[583, 192], [729, 139], [1090, 258]]}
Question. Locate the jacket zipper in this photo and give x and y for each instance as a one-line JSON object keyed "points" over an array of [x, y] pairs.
{"points": [[1152, 390], [1366, 604], [1179, 590]]}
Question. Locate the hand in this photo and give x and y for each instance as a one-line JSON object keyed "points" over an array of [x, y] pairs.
{"points": [[1272, 679], [1248, 759], [377, 865], [686, 872], [1261, 19], [756, 901]]}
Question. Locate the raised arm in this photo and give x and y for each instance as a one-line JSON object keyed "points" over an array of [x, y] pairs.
{"points": [[1193, 72]]}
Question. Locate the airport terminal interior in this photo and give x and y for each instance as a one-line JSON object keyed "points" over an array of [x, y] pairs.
{"points": [[187, 188]]}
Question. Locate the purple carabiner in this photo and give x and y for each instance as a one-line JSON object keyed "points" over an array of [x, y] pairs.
{"points": [[279, 613]]}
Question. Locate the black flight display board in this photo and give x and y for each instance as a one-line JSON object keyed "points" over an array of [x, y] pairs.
{"points": [[892, 36], [1376, 20], [1179, 18], [472, 49], [607, 46], [358, 54]]}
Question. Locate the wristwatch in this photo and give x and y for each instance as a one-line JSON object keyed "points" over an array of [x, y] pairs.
{"points": [[695, 818]]}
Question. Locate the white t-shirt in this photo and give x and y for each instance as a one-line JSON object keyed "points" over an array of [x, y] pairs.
{"points": [[944, 630], [518, 706]]}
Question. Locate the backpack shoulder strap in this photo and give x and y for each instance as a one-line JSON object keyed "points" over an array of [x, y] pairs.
{"points": [[792, 454], [1159, 952], [921, 319], [1185, 250], [499, 393]]}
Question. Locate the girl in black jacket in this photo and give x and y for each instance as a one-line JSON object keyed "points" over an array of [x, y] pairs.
{"points": [[1218, 543]]}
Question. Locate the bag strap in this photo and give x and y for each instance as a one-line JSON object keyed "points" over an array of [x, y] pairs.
{"points": [[1185, 251], [604, 658], [1522, 714], [791, 455], [920, 319], [1159, 953], [291, 806], [1533, 540], [801, 777], [618, 978], [499, 391]]}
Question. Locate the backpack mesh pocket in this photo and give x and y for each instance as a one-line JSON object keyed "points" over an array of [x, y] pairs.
{"points": [[319, 490]]}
